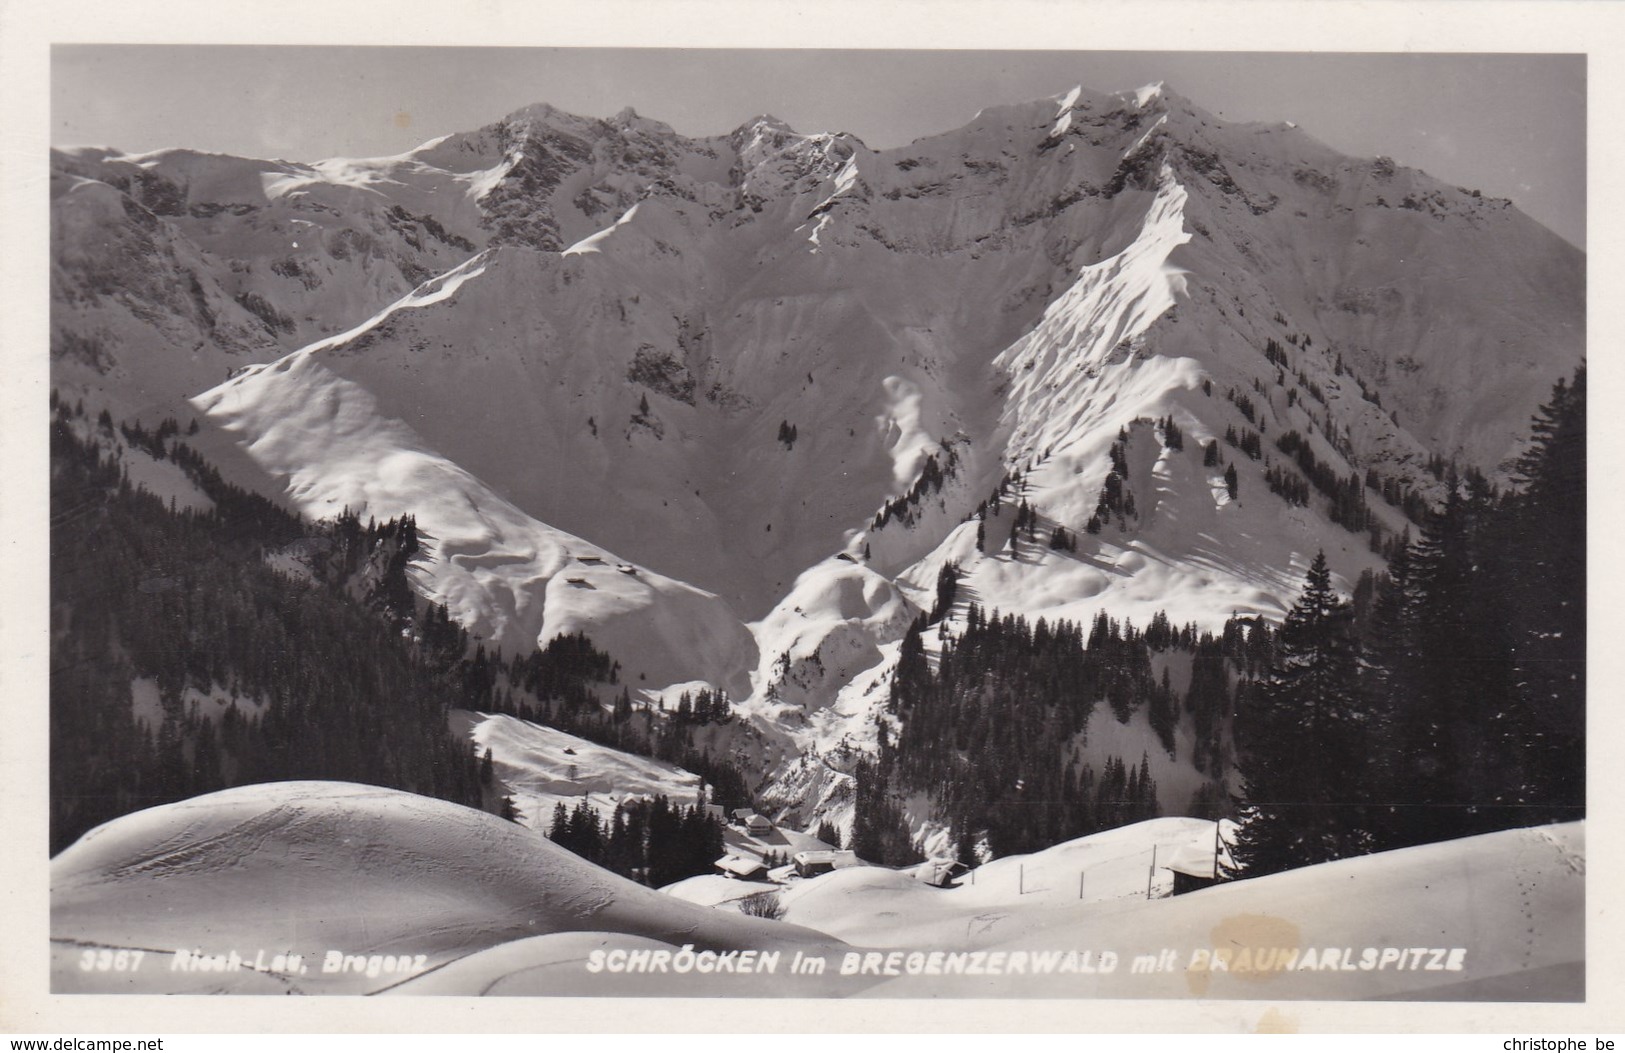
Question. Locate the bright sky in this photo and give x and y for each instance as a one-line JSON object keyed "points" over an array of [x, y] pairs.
{"points": [[1510, 125]]}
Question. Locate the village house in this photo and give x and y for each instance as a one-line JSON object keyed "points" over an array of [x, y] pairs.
{"points": [[742, 868], [813, 863]]}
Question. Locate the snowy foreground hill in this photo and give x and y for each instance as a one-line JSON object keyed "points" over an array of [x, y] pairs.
{"points": [[730, 405], [339, 888]]}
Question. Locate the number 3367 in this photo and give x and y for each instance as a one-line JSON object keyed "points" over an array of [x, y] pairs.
{"points": [[109, 961]]}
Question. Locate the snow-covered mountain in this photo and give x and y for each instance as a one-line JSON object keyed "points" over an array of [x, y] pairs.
{"points": [[729, 404]]}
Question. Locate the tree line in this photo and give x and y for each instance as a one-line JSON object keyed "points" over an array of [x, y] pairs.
{"points": [[655, 842], [993, 736], [1454, 703]]}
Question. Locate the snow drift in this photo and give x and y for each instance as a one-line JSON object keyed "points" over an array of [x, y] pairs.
{"points": [[305, 868], [425, 897]]}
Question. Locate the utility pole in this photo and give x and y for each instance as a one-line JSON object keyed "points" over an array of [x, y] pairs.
{"points": [[1152, 873], [1080, 884]]}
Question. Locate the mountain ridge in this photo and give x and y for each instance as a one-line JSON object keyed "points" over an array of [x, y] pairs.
{"points": [[733, 361]]}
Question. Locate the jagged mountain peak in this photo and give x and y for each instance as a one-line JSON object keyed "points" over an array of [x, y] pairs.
{"points": [[630, 120], [541, 111], [543, 120], [1147, 93], [763, 121]]}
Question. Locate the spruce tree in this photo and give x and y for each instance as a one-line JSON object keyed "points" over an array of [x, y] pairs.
{"points": [[1463, 672], [965, 844], [1546, 562], [1302, 741], [1399, 724]]}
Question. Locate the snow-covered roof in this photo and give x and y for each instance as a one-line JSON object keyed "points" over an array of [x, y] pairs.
{"points": [[1195, 859], [938, 871], [835, 857], [739, 866], [1192, 861]]}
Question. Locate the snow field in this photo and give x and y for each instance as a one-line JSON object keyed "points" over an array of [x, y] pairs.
{"points": [[451, 900], [541, 767], [309, 867]]}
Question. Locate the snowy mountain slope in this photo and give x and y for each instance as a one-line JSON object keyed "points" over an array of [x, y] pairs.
{"points": [[508, 578], [540, 767], [892, 332], [880, 907], [1142, 335], [138, 316], [177, 255], [730, 360], [306, 867], [385, 877], [829, 627], [1511, 902], [174, 268]]}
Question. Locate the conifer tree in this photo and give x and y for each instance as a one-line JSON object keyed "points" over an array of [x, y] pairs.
{"points": [[1546, 562], [1303, 759], [1390, 682]]}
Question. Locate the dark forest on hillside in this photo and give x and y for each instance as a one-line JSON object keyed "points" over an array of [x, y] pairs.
{"points": [[338, 672], [1456, 704], [1447, 698], [185, 599], [994, 733]]}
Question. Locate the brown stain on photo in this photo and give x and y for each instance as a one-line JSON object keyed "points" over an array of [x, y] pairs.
{"points": [[403, 119], [1251, 932], [1275, 1022]]}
